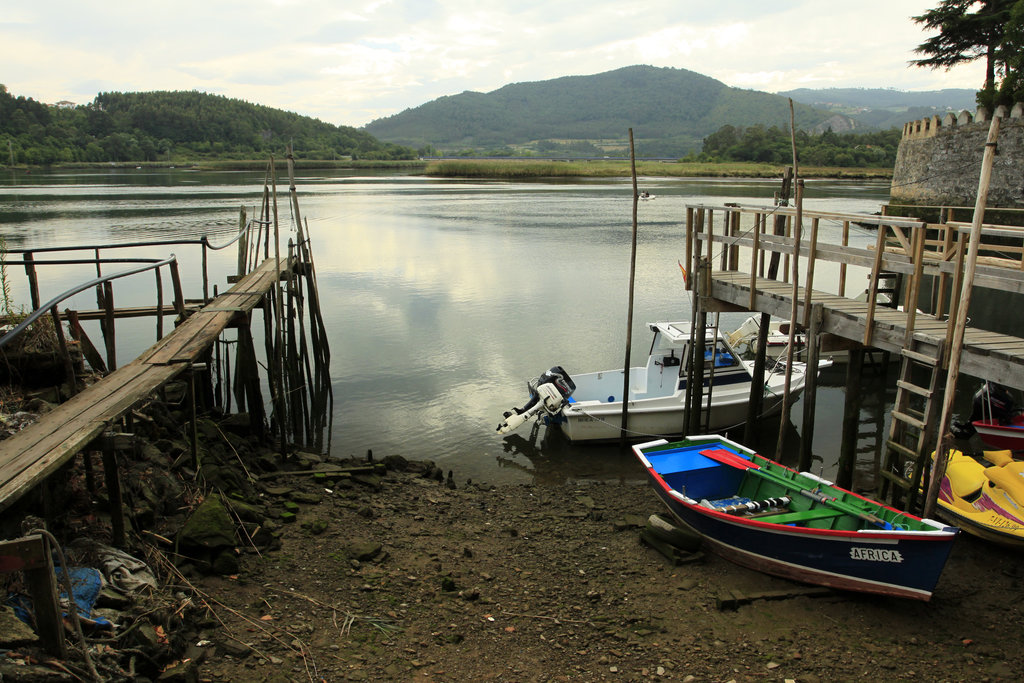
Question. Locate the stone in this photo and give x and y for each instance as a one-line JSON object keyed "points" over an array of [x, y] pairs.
{"points": [[364, 551], [210, 526]]}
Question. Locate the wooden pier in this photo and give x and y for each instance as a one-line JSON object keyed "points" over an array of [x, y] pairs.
{"points": [[734, 254], [36, 452]]}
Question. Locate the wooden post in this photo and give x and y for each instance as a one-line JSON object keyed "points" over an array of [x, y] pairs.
{"points": [[842, 266], [689, 242], [779, 224], [243, 242], [62, 344], [809, 277], [757, 380], [110, 336], [784, 415], [753, 261], [113, 479], [941, 447], [32, 556], [194, 418], [955, 289], [851, 418], [159, 305], [179, 298], [33, 279], [698, 335], [876, 269], [797, 227], [206, 276], [810, 385], [624, 425]]}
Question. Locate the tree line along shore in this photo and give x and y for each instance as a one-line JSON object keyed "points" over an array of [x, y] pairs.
{"points": [[517, 168]]}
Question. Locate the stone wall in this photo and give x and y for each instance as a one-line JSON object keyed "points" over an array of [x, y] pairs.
{"points": [[939, 160]]}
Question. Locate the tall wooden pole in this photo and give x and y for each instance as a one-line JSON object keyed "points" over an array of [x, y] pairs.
{"points": [[629, 315], [939, 467], [797, 224]]}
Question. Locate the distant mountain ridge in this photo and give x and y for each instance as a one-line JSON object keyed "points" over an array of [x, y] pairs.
{"points": [[883, 107], [670, 110]]}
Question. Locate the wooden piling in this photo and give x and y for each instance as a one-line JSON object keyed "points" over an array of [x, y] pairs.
{"points": [[851, 418], [756, 400], [810, 386], [624, 426]]}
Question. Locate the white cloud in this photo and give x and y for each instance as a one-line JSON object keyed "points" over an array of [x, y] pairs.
{"points": [[351, 63]]}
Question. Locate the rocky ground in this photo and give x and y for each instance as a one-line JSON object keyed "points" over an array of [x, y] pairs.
{"points": [[389, 570]]}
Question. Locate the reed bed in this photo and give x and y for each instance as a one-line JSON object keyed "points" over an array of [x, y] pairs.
{"points": [[526, 168]]}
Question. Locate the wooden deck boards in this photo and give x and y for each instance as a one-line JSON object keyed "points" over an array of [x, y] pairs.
{"points": [[34, 453], [986, 355]]}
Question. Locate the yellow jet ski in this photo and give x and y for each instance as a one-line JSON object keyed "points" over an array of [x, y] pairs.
{"points": [[987, 502]]}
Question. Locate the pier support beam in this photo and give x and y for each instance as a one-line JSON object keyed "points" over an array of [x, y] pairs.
{"points": [[810, 385], [756, 401], [851, 419]]}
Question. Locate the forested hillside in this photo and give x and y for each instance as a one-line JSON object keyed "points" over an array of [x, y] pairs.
{"points": [[172, 126], [670, 111], [876, 149]]}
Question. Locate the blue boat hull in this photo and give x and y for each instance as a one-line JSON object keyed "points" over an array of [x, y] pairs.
{"points": [[887, 562]]}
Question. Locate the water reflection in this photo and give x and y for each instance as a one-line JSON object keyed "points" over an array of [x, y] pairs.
{"points": [[441, 297]]}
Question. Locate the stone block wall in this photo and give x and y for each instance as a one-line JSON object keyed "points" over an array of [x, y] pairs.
{"points": [[939, 160]]}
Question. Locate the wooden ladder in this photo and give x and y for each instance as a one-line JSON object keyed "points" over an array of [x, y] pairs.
{"points": [[912, 427]]}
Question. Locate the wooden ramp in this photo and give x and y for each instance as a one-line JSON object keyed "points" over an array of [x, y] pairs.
{"points": [[36, 452], [986, 355]]}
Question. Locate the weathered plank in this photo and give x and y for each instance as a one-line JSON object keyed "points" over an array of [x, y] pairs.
{"points": [[36, 452]]}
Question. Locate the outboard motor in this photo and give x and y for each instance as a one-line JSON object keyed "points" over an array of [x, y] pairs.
{"points": [[993, 402], [548, 393]]}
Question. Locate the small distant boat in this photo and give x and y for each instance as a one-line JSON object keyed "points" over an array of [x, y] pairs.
{"points": [[646, 195], [592, 409], [987, 502], [765, 516]]}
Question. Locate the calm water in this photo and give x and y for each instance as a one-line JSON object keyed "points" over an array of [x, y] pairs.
{"points": [[441, 297]]}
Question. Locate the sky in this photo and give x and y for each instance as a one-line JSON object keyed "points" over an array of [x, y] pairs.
{"points": [[348, 62]]}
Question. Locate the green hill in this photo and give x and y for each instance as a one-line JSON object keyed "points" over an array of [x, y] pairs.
{"points": [[670, 111], [172, 126]]}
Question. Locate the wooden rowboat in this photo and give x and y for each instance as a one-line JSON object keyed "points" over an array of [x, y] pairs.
{"points": [[765, 516]]}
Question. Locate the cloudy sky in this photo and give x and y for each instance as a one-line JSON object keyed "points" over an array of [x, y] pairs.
{"points": [[351, 61]]}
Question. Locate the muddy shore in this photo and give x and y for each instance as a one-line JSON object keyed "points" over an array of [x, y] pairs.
{"points": [[394, 570]]}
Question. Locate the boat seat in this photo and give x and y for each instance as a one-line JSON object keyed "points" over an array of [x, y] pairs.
{"points": [[1007, 480], [800, 516], [966, 475]]}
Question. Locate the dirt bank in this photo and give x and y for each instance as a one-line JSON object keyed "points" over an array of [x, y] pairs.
{"points": [[524, 583], [391, 570]]}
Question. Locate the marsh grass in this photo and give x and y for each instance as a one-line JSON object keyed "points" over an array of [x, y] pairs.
{"points": [[525, 168]]}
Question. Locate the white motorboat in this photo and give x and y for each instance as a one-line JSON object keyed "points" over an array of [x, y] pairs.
{"points": [[588, 407]]}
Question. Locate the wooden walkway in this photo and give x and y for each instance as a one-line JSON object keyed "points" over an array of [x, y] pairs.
{"points": [[986, 355], [36, 452]]}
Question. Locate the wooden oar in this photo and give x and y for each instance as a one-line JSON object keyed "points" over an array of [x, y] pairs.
{"points": [[727, 457]]}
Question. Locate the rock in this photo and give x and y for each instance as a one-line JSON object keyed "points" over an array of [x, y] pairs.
{"points": [[233, 648], [209, 527], [364, 551], [396, 463], [305, 497]]}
